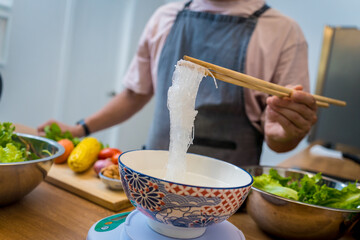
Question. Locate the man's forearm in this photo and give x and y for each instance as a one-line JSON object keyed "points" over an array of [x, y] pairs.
{"points": [[119, 109]]}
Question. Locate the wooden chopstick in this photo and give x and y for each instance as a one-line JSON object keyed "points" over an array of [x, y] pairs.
{"points": [[247, 85], [261, 85], [256, 87]]}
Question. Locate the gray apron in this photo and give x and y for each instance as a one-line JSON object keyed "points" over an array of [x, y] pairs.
{"points": [[222, 128]]}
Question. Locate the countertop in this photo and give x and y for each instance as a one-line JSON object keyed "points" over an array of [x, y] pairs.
{"points": [[51, 213]]}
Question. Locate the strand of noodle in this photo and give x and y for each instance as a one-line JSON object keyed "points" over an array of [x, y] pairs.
{"points": [[212, 75]]}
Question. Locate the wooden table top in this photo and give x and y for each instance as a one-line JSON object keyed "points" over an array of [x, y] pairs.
{"points": [[51, 213]]}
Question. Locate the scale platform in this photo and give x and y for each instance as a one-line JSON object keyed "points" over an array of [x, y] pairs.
{"points": [[133, 226]]}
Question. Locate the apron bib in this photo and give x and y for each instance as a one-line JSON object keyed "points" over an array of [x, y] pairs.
{"points": [[222, 129]]}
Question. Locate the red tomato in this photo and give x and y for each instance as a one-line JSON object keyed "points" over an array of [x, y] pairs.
{"points": [[108, 153], [115, 158]]}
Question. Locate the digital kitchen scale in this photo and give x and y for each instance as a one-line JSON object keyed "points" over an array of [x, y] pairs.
{"points": [[133, 226]]}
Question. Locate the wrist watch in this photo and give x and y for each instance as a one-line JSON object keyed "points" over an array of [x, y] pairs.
{"points": [[85, 127]]}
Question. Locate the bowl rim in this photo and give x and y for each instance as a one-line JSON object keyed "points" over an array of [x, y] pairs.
{"points": [[108, 178], [187, 185], [60, 151], [298, 202]]}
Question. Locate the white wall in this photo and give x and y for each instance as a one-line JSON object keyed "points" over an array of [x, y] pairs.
{"points": [[33, 61], [65, 56]]}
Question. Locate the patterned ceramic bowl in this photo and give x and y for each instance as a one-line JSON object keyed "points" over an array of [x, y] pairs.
{"points": [[172, 207]]}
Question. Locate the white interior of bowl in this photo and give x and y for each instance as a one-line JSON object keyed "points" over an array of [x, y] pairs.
{"points": [[201, 170]]}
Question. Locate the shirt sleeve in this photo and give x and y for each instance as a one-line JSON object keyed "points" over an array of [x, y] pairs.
{"points": [[278, 53], [141, 76], [292, 70], [138, 77]]}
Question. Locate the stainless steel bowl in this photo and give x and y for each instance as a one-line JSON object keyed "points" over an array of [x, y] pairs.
{"points": [[20, 178], [288, 219]]}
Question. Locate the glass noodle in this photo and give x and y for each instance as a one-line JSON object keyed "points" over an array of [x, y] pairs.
{"points": [[181, 103]]}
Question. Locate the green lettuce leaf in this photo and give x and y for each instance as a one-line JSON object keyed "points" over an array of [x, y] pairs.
{"points": [[11, 153], [309, 190], [10, 150], [54, 132], [272, 185]]}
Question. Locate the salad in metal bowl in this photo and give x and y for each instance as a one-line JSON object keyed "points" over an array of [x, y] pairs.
{"points": [[14, 148], [309, 190]]}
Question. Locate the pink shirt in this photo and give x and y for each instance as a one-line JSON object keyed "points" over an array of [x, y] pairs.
{"points": [[277, 50]]}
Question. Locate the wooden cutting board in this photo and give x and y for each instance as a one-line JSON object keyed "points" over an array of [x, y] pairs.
{"points": [[88, 186]]}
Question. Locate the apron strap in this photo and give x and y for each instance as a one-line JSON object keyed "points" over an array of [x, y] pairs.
{"points": [[187, 4], [259, 12]]}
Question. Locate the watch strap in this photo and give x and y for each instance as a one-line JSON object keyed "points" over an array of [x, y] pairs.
{"points": [[85, 127]]}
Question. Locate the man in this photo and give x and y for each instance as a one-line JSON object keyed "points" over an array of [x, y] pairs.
{"points": [[232, 122]]}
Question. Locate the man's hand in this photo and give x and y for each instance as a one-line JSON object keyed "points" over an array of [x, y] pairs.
{"points": [[289, 119], [75, 130]]}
